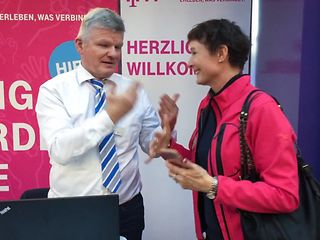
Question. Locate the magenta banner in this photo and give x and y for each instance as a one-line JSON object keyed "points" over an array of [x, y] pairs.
{"points": [[36, 43]]}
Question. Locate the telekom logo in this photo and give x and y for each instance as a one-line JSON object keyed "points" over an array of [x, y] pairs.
{"points": [[134, 2]]}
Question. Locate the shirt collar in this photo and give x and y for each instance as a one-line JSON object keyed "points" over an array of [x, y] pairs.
{"points": [[83, 75]]}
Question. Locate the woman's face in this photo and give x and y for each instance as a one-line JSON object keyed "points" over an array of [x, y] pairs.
{"points": [[205, 65]]}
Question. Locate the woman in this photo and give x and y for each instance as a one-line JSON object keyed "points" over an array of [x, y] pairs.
{"points": [[219, 51]]}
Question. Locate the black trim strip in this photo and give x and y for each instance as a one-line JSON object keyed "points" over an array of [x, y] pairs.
{"points": [[218, 149]]}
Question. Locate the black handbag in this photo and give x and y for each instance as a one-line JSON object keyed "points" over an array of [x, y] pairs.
{"points": [[303, 223]]}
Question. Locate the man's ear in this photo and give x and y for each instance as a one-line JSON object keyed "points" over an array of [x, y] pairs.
{"points": [[79, 45], [223, 52]]}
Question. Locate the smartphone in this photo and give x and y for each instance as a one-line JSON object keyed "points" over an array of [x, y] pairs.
{"points": [[172, 155], [167, 153]]}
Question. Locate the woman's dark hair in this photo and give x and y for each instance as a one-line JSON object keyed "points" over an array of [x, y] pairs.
{"points": [[217, 32]]}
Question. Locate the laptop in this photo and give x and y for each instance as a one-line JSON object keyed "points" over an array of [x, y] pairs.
{"points": [[71, 218]]}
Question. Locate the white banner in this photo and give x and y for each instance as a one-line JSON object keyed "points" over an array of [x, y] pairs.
{"points": [[155, 52]]}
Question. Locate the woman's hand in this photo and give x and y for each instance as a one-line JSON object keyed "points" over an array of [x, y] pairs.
{"points": [[169, 109], [160, 141], [189, 175], [168, 113]]}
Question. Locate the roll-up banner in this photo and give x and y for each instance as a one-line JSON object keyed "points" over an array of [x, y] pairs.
{"points": [[156, 53], [36, 43]]}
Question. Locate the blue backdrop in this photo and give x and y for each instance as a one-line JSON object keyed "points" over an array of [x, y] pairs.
{"points": [[309, 109]]}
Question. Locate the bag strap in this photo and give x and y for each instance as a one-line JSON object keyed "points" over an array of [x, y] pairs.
{"points": [[248, 170]]}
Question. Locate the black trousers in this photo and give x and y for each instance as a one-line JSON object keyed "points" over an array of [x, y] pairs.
{"points": [[131, 216]]}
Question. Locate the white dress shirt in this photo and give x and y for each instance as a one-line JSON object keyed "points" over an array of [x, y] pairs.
{"points": [[72, 132]]}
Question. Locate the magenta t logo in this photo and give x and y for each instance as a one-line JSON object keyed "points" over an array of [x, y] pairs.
{"points": [[133, 2]]}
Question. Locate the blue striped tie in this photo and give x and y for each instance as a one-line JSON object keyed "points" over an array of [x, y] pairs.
{"points": [[107, 148]]}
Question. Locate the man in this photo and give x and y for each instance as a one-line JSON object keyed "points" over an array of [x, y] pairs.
{"points": [[73, 128]]}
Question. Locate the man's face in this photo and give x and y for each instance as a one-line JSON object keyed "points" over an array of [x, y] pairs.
{"points": [[100, 51]]}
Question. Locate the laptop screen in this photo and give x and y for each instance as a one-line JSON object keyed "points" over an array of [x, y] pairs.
{"points": [[81, 218]]}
